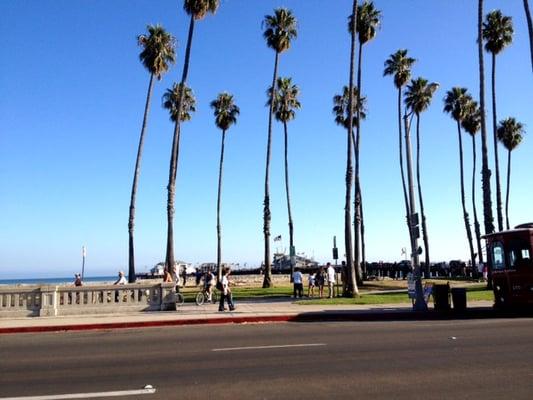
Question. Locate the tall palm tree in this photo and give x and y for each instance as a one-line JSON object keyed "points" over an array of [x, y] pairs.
{"points": [[457, 103], [279, 31], [343, 114], [368, 20], [510, 134], [399, 65], [418, 96], [530, 29], [498, 33], [472, 124], [156, 55], [197, 10], [285, 103], [488, 220], [226, 112], [188, 107], [350, 288]]}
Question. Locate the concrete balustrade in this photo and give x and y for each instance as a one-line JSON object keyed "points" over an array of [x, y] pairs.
{"points": [[32, 301]]}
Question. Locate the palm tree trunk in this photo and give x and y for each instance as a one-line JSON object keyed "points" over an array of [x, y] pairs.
{"points": [[219, 234], [351, 289], [485, 171], [422, 213], [171, 194], [476, 222], [495, 138], [267, 281], [357, 193], [530, 29], [400, 148], [463, 202], [508, 188], [131, 222], [291, 226], [363, 246], [169, 259]]}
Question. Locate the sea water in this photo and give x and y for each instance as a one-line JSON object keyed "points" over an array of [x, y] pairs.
{"points": [[57, 281]]}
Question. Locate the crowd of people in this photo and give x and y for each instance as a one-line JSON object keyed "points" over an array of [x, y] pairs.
{"points": [[319, 279]]}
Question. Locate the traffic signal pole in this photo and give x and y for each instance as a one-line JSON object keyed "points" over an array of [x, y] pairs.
{"points": [[420, 303]]}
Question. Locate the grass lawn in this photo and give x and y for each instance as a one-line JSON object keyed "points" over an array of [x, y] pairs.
{"points": [[475, 292]]}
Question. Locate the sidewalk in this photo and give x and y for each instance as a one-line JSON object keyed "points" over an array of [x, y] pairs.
{"points": [[256, 311]]}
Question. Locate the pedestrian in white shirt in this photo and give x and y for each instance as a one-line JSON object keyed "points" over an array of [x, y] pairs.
{"points": [[297, 280], [226, 291], [331, 279]]}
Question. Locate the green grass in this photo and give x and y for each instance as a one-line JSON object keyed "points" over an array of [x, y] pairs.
{"points": [[474, 293]]}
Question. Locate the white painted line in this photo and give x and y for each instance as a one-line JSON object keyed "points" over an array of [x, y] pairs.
{"points": [[281, 346], [85, 395]]}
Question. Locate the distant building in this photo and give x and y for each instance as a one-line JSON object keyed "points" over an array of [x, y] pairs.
{"points": [[282, 263]]}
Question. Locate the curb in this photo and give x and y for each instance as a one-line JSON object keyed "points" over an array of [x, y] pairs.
{"points": [[319, 316]]}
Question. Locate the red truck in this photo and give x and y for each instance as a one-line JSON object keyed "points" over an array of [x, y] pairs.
{"points": [[509, 258]]}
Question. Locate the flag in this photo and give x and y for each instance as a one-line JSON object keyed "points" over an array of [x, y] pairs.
{"points": [[277, 238]]}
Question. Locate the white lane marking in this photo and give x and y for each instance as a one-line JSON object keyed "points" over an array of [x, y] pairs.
{"points": [[85, 395], [281, 346]]}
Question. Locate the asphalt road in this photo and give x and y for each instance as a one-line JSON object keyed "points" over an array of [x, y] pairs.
{"points": [[475, 359]]}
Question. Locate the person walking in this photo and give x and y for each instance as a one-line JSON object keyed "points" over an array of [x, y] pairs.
{"points": [[225, 291], [297, 280], [331, 279]]}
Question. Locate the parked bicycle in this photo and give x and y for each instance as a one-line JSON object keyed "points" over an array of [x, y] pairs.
{"points": [[202, 296]]}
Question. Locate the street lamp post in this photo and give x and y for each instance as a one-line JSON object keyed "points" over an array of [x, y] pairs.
{"points": [[420, 303]]}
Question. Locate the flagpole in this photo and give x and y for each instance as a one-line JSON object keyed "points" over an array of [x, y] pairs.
{"points": [[83, 255]]}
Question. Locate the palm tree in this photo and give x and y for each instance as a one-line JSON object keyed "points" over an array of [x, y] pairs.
{"points": [[471, 124], [350, 288], [156, 55], [285, 104], [399, 65], [280, 30], [343, 114], [188, 107], [368, 20], [457, 103], [417, 99], [226, 113], [530, 29], [197, 9], [488, 219], [498, 33], [510, 133]]}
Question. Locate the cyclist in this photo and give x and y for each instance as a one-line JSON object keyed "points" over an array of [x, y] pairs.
{"points": [[209, 282]]}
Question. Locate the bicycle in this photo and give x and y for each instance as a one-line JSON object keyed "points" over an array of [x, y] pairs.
{"points": [[203, 295]]}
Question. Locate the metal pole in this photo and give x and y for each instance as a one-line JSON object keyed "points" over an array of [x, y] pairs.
{"points": [[419, 304], [83, 254]]}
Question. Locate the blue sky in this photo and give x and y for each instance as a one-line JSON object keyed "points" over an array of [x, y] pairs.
{"points": [[73, 93]]}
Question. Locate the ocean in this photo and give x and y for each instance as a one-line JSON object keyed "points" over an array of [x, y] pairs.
{"points": [[56, 281]]}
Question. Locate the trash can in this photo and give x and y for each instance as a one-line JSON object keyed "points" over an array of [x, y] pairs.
{"points": [[441, 297], [459, 299]]}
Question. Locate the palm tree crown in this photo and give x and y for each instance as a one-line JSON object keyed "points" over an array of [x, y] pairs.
{"points": [[419, 94], [280, 29], [510, 133], [170, 102], [497, 31], [225, 111], [457, 103], [368, 20], [285, 99], [399, 65], [341, 107], [158, 50], [198, 9], [471, 122]]}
